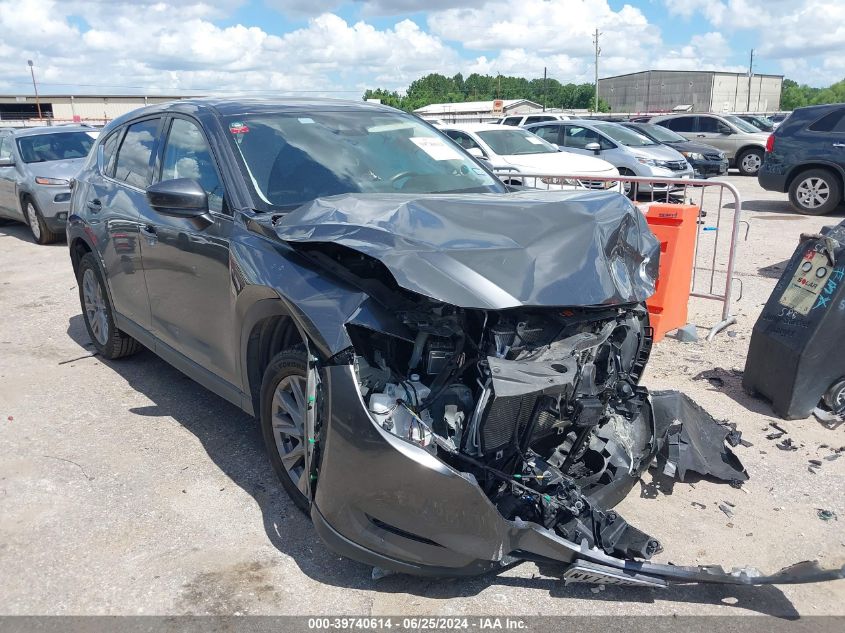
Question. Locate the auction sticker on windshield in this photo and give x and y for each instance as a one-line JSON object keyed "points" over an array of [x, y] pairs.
{"points": [[806, 283], [436, 148]]}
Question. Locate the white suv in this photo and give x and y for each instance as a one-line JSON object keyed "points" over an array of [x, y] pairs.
{"points": [[519, 120]]}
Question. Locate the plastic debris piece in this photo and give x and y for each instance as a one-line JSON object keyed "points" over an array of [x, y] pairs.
{"points": [[787, 445], [726, 510], [826, 515]]}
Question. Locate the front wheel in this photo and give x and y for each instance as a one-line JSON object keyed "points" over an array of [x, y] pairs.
{"points": [[749, 162], [815, 192], [283, 409], [41, 233]]}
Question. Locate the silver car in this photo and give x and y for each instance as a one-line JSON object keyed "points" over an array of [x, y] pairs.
{"points": [[36, 165], [743, 144], [630, 152]]}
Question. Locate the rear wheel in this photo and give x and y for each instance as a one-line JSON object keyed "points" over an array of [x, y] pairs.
{"points": [[749, 162], [283, 409], [40, 232], [815, 192], [835, 397], [631, 189], [98, 314]]}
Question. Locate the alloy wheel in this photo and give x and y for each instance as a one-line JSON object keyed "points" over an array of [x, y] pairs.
{"points": [[34, 224], [813, 192], [95, 307], [288, 419], [751, 162]]}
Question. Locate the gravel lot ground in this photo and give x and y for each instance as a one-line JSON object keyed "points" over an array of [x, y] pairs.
{"points": [[125, 488]]}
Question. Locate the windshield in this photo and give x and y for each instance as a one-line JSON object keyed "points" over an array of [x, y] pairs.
{"points": [[741, 125], [659, 133], [293, 158], [57, 146], [515, 142], [623, 135]]}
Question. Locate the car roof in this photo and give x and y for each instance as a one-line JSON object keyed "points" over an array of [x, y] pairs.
{"points": [[51, 129]]}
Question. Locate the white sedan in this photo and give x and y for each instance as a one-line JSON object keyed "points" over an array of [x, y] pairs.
{"points": [[513, 151]]}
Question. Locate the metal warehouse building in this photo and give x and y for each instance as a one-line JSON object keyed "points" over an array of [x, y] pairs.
{"points": [[696, 91], [97, 110]]}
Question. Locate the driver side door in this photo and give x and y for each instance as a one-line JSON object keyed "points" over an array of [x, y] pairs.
{"points": [[186, 263], [715, 132]]}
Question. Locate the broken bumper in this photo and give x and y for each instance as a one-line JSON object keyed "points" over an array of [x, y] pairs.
{"points": [[388, 503]]}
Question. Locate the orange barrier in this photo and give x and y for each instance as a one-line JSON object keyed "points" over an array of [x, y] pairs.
{"points": [[675, 226]]}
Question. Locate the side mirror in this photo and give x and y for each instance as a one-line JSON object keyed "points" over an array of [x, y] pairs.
{"points": [[725, 130], [181, 197], [8, 161], [593, 147], [476, 151]]}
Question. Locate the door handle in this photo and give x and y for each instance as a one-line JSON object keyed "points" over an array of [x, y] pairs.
{"points": [[701, 136], [95, 205]]}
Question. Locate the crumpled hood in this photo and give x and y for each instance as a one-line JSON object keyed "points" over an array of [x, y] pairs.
{"points": [[66, 169], [494, 251]]}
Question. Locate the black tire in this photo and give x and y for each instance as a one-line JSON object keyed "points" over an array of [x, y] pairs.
{"points": [[835, 397], [803, 186], [41, 233], [630, 189], [749, 161], [115, 344], [289, 364]]}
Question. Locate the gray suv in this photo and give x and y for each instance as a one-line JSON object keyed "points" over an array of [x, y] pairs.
{"points": [[742, 143], [36, 165]]}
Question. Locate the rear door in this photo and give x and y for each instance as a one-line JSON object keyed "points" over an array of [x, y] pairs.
{"points": [[8, 203], [683, 125], [827, 139], [186, 260], [713, 131], [115, 199]]}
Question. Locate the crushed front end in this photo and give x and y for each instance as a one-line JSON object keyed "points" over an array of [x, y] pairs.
{"points": [[457, 438]]}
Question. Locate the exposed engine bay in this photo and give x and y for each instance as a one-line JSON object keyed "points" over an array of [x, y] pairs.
{"points": [[542, 407]]}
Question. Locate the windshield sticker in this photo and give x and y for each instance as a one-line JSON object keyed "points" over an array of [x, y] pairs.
{"points": [[534, 140], [436, 148], [238, 127]]}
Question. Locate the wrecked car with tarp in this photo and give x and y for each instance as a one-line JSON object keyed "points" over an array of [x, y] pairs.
{"points": [[446, 370]]}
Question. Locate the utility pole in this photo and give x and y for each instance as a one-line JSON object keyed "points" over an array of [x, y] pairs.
{"points": [[35, 87], [544, 88], [750, 75], [598, 52]]}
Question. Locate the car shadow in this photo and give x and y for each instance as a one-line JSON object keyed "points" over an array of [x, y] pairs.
{"points": [[233, 442], [14, 229]]}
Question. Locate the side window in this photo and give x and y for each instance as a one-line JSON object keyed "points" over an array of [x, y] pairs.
{"points": [[680, 124], [548, 133], [133, 158], [109, 148], [511, 120], [187, 155], [579, 137], [5, 147], [538, 119], [832, 122], [461, 138]]}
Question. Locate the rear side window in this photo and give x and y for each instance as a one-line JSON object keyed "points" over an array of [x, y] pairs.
{"points": [[831, 122], [133, 159], [548, 133], [5, 147], [512, 120], [109, 148], [680, 124], [538, 119], [462, 139]]}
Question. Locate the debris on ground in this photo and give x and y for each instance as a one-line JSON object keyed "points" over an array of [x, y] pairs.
{"points": [[716, 376], [728, 512], [787, 445], [700, 506], [826, 515], [695, 442]]}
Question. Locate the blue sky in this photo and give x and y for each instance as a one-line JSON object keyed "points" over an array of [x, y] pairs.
{"points": [[341, 47]]}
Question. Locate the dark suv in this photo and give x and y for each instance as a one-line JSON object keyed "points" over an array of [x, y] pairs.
{"points": [[445, 370], [805, 156]]}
